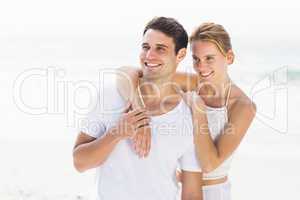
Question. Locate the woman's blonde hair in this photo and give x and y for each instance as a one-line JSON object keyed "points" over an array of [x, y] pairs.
{"points": [[214, 33]]}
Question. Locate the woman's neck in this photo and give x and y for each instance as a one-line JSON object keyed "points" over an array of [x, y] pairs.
{"points": [[215, 94]]}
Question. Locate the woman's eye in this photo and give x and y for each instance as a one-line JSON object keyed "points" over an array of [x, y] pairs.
{"points": [[145, 47], [209, 59], [196, 60]]}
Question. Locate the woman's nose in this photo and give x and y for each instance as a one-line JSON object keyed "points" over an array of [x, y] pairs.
{"points": [[199, 66]]}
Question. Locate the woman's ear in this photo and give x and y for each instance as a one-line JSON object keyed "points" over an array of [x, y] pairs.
{"points": [[230, 57], [181, 55]]}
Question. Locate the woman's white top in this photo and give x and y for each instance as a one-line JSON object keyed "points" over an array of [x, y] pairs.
{"points": [[217, 120]]}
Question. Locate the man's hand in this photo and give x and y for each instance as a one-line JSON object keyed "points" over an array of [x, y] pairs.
{"points": [[142, 141], [130, 123]]}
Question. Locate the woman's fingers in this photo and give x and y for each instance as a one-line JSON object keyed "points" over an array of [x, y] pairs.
{"points": [[147, 140], [139, 141], [140, 73], [140, 117], [178, 176], [141, 123], [136, 112], [127, 108], [143, 146], [142, 141]]}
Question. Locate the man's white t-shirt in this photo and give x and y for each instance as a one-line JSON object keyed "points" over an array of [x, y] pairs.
{"points": [[126, 176]]}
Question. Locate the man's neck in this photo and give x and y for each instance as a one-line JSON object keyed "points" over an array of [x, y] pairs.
{"points": [[158, 95]]}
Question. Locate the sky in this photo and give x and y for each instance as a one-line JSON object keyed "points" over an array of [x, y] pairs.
{"points": [[75, 36], [104, 17], [271, 29]]}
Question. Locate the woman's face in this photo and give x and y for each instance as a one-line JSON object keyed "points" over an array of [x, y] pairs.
{"points": [[208, 61]]}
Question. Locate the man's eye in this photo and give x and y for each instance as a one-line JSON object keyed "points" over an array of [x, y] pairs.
{"points": [[145, 47], [160, 49]]}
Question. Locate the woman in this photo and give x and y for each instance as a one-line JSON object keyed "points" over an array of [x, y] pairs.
{"points": [[221, 111]]}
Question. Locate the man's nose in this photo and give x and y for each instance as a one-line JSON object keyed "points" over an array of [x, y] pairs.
{"points": [[150, 54]]}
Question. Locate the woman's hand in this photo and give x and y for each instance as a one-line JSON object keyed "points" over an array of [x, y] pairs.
{"points": [[193, 100], [131, 123], [178, 175], [127, 83], [141, 143]]}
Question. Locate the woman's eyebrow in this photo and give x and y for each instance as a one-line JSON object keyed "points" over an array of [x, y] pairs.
{"points": [[212, 55], [195, 57]]}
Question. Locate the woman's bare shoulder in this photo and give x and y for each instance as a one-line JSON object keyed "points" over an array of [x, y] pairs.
{"points": [[239, 101]]}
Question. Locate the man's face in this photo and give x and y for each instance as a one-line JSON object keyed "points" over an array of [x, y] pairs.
{"points": [[157, 57]]}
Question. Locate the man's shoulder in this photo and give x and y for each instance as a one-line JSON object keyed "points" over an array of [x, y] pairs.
{"points": [[110, 101]]}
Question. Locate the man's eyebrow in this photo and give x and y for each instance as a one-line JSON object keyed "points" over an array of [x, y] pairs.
{"points": [[212, 55], [144, 43], [162, 45]]}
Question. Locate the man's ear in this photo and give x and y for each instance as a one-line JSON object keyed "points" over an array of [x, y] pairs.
{"points": [[181, 55], [230, 57]]}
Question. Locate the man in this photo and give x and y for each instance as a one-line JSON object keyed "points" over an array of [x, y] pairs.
{"points": [[105, 144]]}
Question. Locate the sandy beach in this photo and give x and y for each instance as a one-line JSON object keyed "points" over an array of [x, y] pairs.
{"points": [[264, 167]]}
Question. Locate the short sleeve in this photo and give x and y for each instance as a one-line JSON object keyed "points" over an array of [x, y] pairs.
{"points": [[93, 124], [105, 113], [189, 162]]}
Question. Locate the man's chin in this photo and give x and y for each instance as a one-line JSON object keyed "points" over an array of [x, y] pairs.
{"points": [[156, 75], [151, 75]]}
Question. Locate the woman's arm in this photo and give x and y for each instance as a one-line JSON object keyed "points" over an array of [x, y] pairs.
{"points": [[211, 154], [128, 79], [186, 81], [191, 185], [127, 83]]}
